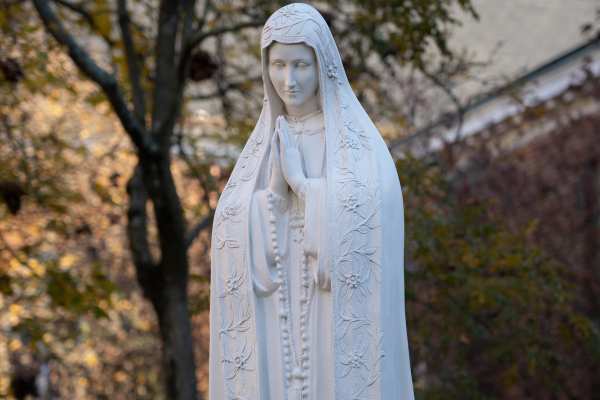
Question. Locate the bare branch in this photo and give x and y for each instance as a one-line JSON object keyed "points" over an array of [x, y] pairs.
{"points": [[105, 80], [133, 63], [200, 36], [166, 74], [187, 32], [460, 110], [208, 6], [137, 233], [89, 19], [188, 18], [240, 87], [199, 227]]}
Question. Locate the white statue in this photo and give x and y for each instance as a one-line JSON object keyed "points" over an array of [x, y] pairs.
{"points": [[307, 290]]}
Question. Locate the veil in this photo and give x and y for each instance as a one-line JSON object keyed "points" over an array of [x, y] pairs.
{"points": [[365, 238]]}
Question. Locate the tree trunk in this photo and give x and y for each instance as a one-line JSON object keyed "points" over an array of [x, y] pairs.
{"points": [[172, 311], [165, 282], [175, 330]]}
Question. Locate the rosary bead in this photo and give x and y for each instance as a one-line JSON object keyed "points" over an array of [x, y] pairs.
{"points": [[297, 373]]}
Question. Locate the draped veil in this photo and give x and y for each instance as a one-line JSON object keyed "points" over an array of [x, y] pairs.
{"points": [[362, 250]]}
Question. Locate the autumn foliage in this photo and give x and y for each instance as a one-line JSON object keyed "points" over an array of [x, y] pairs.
{"points": [[501, 285]]}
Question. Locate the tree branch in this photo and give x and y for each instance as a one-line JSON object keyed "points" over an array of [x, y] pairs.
{"points": [[165, 89], [240, 87], [105, 80], [199, 227], [133, 65], [196, 38], [137, 233], [459, 114], [188, 18], [89, 19], [199, 36], [208, 6]]}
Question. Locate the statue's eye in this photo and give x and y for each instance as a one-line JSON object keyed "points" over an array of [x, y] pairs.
{"points": [[302, 64], [278, 64]]}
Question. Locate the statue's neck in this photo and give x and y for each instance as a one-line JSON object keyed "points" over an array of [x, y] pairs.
{"points": [[303, 118], [307, 124]]}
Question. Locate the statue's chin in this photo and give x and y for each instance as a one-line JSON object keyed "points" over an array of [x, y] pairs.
{"points": [[299, 106], [291, 101]]}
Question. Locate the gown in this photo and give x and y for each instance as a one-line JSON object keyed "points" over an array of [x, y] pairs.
{"points": [[308, 360], [281, 327]]}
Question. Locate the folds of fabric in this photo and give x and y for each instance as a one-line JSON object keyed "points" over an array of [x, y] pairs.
{"points": [[353, 236]]}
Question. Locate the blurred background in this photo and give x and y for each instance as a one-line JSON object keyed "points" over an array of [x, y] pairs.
{"points": [[121, 120]]}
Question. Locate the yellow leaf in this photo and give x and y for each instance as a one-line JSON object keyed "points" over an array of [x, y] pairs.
{"points": [[67, 261], [15, 345], [37, 268], [90, 358]]}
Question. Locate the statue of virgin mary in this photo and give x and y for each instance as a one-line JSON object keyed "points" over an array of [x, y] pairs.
{"points": [[307, 289]]}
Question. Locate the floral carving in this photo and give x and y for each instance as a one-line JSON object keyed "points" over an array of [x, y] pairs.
{"points": [[229, 213], [357, 265], [233, 284], [239, 321], [354, 359], [238, 361], [353, 283], [229, 243], [332, 72]]}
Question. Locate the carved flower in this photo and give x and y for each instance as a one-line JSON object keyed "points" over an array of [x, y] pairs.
{"points": [[353, 283], [332, 72], [353, 280], [233, 284], [238, 362], [230, 212], [349, 142], [350, 202], [353, 360], [353, 138]]}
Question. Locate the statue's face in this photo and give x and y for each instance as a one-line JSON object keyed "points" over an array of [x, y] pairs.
{"points": [[295, 76]]}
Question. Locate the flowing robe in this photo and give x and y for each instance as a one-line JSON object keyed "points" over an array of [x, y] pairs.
{"points": [[298, 226], [354, 239]]}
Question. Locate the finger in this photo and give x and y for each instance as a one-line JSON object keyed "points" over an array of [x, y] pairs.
{"points": [[281, 148], [282, 136], [278, 123], [275, 148], [284, 132], [274, 139], [285, 129], [283, 124]]}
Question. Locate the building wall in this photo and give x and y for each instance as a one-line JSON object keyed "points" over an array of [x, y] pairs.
{"points": [[529, 32]]}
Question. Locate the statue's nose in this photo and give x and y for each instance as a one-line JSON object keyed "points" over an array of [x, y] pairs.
{"points": [[290, 80]]}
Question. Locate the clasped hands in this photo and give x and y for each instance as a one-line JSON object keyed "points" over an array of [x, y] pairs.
{"points": [[286, 162]]}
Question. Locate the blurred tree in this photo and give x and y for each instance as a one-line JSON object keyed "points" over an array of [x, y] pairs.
{"points": [[490, 316], [141, 57], [66, 301]]}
